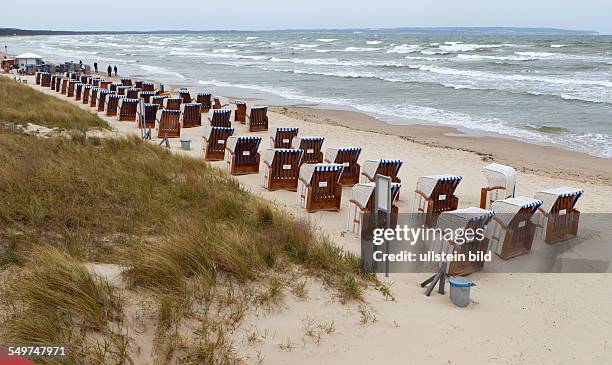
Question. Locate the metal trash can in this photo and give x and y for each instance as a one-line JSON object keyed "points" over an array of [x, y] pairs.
{"points": [[186, 144], [460, 290]]}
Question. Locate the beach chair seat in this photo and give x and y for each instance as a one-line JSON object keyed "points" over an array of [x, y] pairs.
{"points": [[102, 93], [86, 93], [146, 118], [173, 104], [241, 156], [390, 168], [319, 187], [93, 96], [126, 82], [65, 83], [126, 109], [282, 137], [168, 123], [159, 100], [206, 100], [146, 95], [361, 206], [105, 84], [217, 104], [312, 148], [557, 218], [220, 118], [346, 156], [512, 227], [45, 79], [191, 115], [501, 184], [240, 113], [472, 219], [257, 119], [111, 104], [138, 84], [215, 140], [185, 95], [122, 90], [132, 93], [148, 86], [281, 169], [434, 195], [78, 91]]}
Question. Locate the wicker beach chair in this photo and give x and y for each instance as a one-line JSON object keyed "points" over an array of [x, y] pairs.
{"points": [[217, 103], [220, 118], [138, 84], [37, 77], [512, 228], [111, 104], [557, 218], [84, 79], [371, 168], [45, 79], [95, 81], [93, 96], [282, 137], [240, 113], [86, 94], [71, 87], [501, 184], [472, 219], [362, 203], [257, 119], [105, 84], [122, 90], [191, 115], [146, 95], [78, 91], [312, 148], [434, 195], [102, 93], [206, 100], [126, 109], [126, 82], [148, 86], [281, 169], [159, 100], [168, 124], [173, 104], [185, 95], [241, 156], [319, 187], [114, 86], [53, 81], [65, 83], [58, 84], [215, 140], [346, 156], [132, 93], [146, 118]]}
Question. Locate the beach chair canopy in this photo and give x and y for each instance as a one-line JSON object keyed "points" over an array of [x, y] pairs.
{"points": [[501, 175], [371, 166], [297, 141], [332, 153], [233, 141], [362, 193], [427, 184], [460, 218], [549, 197], [223, 112], [308, 170], [506, 209]]}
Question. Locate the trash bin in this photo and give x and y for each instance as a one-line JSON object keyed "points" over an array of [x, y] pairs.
{"points": [[186, 144], [460, 290]]}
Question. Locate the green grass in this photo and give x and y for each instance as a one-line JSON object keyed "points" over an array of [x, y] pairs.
{"points": [[21, 104]]}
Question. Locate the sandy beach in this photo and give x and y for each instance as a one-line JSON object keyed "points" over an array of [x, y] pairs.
{"points": [[513, 318]]}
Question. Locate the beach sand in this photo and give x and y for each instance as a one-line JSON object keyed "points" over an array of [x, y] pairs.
{"points": [[513, 318]]}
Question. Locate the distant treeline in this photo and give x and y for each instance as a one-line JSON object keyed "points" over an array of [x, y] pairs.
{"points": [[436, 30]]}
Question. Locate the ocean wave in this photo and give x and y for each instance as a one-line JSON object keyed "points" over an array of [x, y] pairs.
{"points": [[225, 50], [361, 49], [161, 71], [327, 39], [251, 38], [466, 47], [373, 42], [307, 45], [558, 45], [404, 48], [470, 57]]}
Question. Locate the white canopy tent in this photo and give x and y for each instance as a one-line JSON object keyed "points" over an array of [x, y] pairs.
{"points": [[28, 59]]}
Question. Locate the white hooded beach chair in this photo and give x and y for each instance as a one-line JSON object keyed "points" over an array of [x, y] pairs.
{"points": [[215, 139], [282, 137], [346, 156], [435, 194], [460, 220], [241, 156], [311, 146], [281, 168], [501, 184], [557, 219], [371, 168], [362, 202], [319, 187], [512, 228]]}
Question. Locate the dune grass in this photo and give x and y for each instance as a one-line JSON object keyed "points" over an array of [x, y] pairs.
{"points": [[21, 104]]}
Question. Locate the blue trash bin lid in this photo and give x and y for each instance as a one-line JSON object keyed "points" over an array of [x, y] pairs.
{"points": [[461, 282]]}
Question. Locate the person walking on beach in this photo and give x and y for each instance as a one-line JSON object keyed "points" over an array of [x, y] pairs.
{"points": [[115, 69], [110, 71], [96, 66]]}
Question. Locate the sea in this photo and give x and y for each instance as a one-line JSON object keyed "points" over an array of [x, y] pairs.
{"points": [[545, 89]]}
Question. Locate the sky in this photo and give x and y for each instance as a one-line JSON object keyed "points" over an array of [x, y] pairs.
{"points": [[304, 14]]}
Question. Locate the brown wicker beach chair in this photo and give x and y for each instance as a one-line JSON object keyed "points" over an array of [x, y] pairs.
{"points": [[347, 157], [148, 86], [281, 169], [173, 103], [126, 109], [132, 93], [185, 95], [240, 113], [65, 83], [319, 187], [45, 79], [93, 96], [215, 140], [282, 137], [95, 81], [102, 93], [241, 156], [71, 86], [37, 77], [434, 195], [114, 86], [217, 103], [86, 94], [149, 115], [361, 206], [122, 90], [258, 119], [146, 95], [168, 124], [84, 79], [111, 104], [126, 82], [390, 168], [78, 91], [206, 100], [105, 84], [512, 227], [138, 84], [220, 118], [311, 147], [557, 218], [159, 100], [191, 115]]}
